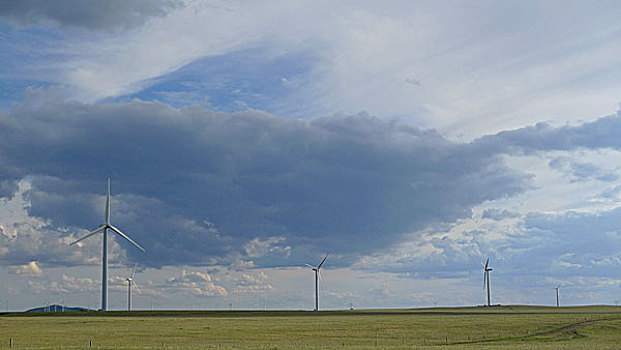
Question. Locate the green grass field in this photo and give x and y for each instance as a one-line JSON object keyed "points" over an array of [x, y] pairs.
{"points": [[507, 327]]}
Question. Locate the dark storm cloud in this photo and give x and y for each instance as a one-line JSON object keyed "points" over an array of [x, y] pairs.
{"points": [[90, 14], [7, 188], [192, 184]]}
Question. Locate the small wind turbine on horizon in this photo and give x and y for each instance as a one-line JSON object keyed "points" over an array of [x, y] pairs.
{"points": [[486, 271], [317, 276], [104, 264], [130, 282], [557, 288]]}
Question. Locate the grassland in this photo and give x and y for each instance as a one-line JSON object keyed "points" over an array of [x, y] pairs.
{"points": [[508, 327]]}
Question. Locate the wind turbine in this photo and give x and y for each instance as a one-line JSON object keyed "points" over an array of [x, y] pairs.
{"points": [[130, 280], [104, 265], [317, 274], [486, 271], [557, 288]]}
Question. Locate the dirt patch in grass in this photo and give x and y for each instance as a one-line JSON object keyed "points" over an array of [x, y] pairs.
{"points": [[573, 327]]}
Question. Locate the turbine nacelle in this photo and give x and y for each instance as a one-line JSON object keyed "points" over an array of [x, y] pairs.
{"points": [[485, 266]]}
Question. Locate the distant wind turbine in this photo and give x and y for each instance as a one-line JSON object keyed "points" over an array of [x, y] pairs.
{"points": [[557, 288], [130, 281], [104, 265], [486, 271], [317, 276]]}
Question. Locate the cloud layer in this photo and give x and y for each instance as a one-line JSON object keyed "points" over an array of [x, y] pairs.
{"points": [[192, 185], [442, 65]]}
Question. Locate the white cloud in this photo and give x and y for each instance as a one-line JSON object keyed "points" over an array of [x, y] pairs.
{"points": [[65, 284], [195, 282], [257, 247], [568, 264], [25, 237], [252, 283], [31, 269]]}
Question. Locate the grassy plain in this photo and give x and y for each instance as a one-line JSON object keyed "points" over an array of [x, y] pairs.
{"points": [[507, 327]]}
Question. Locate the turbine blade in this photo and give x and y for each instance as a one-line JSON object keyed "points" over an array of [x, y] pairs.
{"points": [[311, 266], [108, 204], [484, 278], [101, 228], [134, 272], [118, 232], [136, 285], [486, 263], [322, 261]]}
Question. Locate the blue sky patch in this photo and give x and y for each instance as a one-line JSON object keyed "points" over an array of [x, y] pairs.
{"points": [[248, 79]]}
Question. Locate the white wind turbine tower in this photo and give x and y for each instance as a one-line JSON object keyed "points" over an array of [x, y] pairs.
{"points": [[486, 271], [104, 265], [557, 288], [130, 281], [317, 274]]}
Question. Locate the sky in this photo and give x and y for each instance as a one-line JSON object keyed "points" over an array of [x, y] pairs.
{"points": [[409, 140]]}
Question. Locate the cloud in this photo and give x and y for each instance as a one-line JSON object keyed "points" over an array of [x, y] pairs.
{"points": [[541, 137], [479, 75], [498, 214], [24, 238], [533, 248], [574, 239], [382, 292], [84, 284], [191, 195], [89, 14], [31, 269], [257, 248], [198, 283], [65, 284], [252, 283], [194, 186], [580, 171]]}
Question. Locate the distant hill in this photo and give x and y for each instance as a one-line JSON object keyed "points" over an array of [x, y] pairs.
{"points": [[57, 308]]}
